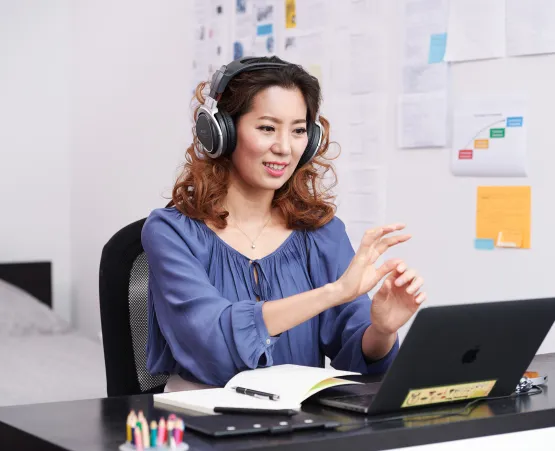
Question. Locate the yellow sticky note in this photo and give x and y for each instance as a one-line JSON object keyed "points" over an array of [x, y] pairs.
{"points": [[290, 14], [503, 215], [448, 393]]}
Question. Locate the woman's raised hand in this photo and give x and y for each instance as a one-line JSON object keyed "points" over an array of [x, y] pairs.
{"points": [[362, 275]]}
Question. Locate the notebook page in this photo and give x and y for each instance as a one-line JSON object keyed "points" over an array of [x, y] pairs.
{"points": [[290, 382], [205, 400]]}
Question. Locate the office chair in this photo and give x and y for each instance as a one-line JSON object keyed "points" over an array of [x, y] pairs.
{"points": [[123, 284]]}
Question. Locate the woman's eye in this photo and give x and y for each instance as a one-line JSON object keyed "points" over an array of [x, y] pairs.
{"points": [[300, 131], [266, 128]]}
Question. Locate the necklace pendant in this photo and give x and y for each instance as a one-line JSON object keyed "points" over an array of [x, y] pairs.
{"points": [[253, 246]]}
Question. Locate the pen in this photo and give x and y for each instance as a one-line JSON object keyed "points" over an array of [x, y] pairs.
{"points": [[288, 412], [256, 393]]}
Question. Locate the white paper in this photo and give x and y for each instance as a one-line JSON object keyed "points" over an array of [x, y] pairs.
{"points": [[422, 19], [424, 78], [201, 58], [244, 29], [363, 206], [308, 50], [364, 200], [422, 120], [368, 63], [341, 14], [219, 34], [365, 179], [476, 30], [530, 27], [265, 31], [341, 78], [201, 11], [422, 111], [367, 128], [365, 143], [365, 14], [304, 48], [311, 14], [489, 137]]}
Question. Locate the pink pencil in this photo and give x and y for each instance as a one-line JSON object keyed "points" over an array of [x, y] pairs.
{"points": [[138, 439], [161, 432]]}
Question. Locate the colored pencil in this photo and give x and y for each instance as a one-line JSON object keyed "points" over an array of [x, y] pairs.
{"points": [[161, 432], [153, 433], [179, 431], [138, 438], [129, 427]]}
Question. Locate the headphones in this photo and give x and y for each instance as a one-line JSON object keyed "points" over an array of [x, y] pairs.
{"points": [[215, 128]]}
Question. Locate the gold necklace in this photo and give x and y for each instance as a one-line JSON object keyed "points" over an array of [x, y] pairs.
{"points": [[253, 246]]}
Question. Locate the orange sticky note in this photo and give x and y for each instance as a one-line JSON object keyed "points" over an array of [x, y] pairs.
{"points": [[481, 143], [503, 214]]}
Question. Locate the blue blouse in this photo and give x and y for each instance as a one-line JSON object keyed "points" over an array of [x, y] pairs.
{"points": [[205, 323]]}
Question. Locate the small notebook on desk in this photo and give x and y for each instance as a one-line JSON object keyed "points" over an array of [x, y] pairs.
{"points": [[292, 383]]}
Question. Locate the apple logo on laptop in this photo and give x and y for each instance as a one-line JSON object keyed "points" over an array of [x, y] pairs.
{"points": [[470, 355]]}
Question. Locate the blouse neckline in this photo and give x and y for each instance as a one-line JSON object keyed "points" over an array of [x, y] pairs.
{"points": [[240, 254]]}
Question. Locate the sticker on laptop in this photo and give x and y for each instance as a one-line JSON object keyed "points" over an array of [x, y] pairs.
{"points": [[448, 393]]}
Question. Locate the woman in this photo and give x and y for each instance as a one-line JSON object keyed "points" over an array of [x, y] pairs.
{"points": [[249, 266]]}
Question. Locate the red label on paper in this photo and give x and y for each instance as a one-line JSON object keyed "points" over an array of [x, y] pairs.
{"points": [[465, 154]]}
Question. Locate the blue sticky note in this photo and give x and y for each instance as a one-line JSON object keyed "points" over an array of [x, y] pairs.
{"points": [[438, 42], [515, 121], [263, 30], [484, 244]]}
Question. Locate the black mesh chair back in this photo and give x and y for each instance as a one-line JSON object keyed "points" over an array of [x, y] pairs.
{"points": [[123, 289]]}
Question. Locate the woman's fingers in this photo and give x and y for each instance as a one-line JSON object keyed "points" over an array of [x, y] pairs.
{"points": [[407, 276], [385, 243], [386, 268], [371, 236], [375, 242], [393, 227], [416, 284], [401, 268], [420, 298]]}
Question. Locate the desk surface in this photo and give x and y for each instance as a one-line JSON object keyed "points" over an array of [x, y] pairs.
{"points": [[99, 424]]}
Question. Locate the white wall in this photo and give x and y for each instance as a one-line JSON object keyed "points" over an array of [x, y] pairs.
{"points": [[127, 125], [34, 138], [130, 67], [440, 209]]}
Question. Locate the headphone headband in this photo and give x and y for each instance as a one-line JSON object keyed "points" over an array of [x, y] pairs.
{"points": [[215, 129], [224, 74]]}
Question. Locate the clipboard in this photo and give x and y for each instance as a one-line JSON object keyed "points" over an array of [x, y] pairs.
{"points": [[227, 425]]}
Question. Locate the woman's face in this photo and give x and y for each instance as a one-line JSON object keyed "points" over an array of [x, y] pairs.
{"points": [[271, 138]]}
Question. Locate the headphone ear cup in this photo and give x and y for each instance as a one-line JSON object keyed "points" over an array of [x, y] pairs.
{"points": [[314, 133], [207, 133], [229, 135]]}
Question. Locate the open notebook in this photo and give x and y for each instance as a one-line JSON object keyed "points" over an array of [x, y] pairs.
{"points": [[293, 384]]}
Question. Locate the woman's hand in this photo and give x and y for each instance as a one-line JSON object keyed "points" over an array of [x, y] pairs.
{"points": [[362, 275], [397, 299]]}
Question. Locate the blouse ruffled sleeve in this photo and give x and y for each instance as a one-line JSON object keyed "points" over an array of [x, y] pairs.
{"points": [[342, 327], [209, 336]]}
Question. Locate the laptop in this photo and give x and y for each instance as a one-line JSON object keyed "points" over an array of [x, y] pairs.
{"points": [[454, 353]]}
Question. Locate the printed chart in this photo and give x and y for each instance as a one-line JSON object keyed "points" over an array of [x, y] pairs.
{"points": [[489, 141]]}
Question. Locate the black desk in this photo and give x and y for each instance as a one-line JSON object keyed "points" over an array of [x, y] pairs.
{"points": [[99, 424]]}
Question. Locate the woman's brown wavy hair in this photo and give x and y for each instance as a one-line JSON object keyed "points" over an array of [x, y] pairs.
{"points": [[305, 201]]}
